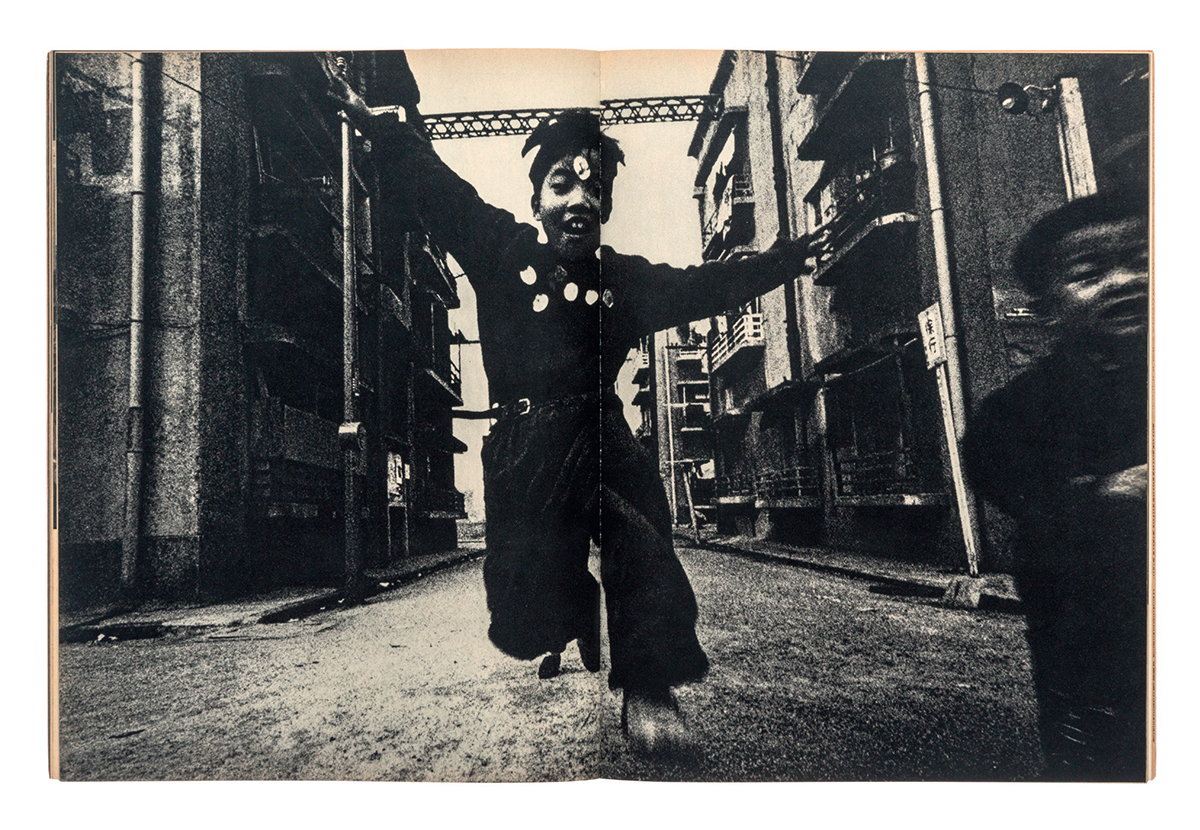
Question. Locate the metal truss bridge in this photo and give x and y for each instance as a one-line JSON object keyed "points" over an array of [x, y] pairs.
{"points": [[618, 111]]}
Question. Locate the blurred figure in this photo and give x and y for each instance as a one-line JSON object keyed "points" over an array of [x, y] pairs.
{"points": [[1063, 449]]}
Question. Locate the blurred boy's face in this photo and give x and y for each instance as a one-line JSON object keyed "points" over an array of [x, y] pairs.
{"points": [[1101, 280], [568, 205]]}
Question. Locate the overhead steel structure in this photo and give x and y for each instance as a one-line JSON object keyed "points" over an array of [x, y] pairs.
{"points": [[616, 111]]}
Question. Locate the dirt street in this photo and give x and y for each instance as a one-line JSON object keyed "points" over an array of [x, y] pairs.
{"points": [[814, 678]]}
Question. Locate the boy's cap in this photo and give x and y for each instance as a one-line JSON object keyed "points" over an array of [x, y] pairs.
{"points": [[570, 131], [1033, 258]]}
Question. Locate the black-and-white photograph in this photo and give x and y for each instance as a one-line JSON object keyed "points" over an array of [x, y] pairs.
{"points": [[550, 415]]}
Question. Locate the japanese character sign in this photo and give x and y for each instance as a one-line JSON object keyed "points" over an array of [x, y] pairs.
{"points": [[930, 323]]}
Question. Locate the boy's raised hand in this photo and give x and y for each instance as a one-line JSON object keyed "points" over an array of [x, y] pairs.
{"points": [[351, 102], [804, 247]]}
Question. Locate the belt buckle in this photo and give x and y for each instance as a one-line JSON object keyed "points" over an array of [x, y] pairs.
{"points": [[522, 407]]}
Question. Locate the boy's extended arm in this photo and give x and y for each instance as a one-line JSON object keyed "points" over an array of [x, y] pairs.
{"points": [[1017, 465], [662, 296], [483, 238], [477, 234]]}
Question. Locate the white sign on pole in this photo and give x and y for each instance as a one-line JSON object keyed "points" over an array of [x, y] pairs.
{"points": [[930, 321]]}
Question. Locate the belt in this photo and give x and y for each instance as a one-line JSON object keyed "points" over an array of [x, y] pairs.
{"points": [[523, 406], [519, 407]]}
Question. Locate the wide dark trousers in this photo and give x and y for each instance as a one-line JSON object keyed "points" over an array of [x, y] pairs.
{"points": [[555, 479], [1086, 617]]}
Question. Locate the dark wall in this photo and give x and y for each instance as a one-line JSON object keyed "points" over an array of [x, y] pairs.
{"points": [[225, 154], [194, 406], [91, 307]]}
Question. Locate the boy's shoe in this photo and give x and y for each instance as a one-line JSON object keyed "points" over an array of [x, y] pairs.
{"points": [[653, 723], [551, 664]]}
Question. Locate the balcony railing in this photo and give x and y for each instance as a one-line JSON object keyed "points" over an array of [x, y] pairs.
{"points": [[641, 367], [788, 483], [430, 268], [738, 190], [884, 473], [741, 186], [735, 487], [444, 372], [431, 499], [783, 485], [865, 220], [643, 431], [745, 334]]}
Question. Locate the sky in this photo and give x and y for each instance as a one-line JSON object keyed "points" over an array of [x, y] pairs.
{"points": [[654, 214]]}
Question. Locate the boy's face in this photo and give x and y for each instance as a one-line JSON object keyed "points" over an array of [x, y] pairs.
{"points": [[568, 205], [1101, 280]]}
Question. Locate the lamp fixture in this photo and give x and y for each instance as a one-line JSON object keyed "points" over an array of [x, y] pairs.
{"points": [[1016, 99]]}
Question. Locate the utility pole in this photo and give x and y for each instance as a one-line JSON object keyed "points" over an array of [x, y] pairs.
{"points": [[944, 356], [933, 337]]}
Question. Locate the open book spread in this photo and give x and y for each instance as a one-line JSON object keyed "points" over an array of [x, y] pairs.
{"points": [[519, 415]]}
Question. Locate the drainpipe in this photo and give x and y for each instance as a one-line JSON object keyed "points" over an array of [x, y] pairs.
{"points": [[351, 430], [941, 255], [135, 424]]}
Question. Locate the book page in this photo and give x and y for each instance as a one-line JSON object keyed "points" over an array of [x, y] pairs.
{"points": [[371, 462]]}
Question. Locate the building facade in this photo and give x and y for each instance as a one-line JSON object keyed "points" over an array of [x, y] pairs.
{"points": [[671, 373], [214, 410], [924, 170]]}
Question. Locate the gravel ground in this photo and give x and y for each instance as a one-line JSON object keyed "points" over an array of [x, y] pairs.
{"points": [[814, 678], [817, 678]]}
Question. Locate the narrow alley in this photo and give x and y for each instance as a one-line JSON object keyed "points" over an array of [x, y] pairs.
{"points": [[814, 677]]}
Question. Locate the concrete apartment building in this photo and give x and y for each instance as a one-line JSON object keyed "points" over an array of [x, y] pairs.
{"points": [[827, 424], [209, 402], [671, 373], [200, 402]]}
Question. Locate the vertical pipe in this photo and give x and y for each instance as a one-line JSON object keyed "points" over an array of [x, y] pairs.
{"points": [[409, 400], [961, 496], [351, 436], [941, 254], [687, 486], [135, 425], [829, 488], [349, 320], [775, 119], [666, 355]]}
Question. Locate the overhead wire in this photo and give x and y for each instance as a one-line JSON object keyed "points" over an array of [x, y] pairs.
{"points": [[182, 83], [248, 123], [239, 117], [906, 80]]}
